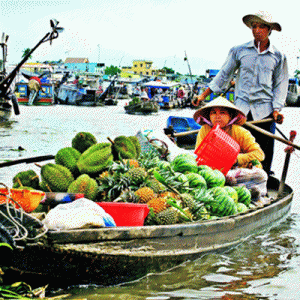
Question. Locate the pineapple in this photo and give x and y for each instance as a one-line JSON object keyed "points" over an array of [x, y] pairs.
{"points": [[132, 162], [127, 196], [144, 194], [103, 175], [167, 194], [188, 201], [137, 175], [158, 204], [167, 217], [155, 185], [110, 187]]}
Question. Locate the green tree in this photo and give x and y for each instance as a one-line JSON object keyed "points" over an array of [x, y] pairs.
{"points": [[26, 52], [169, 70], [112, 70]]}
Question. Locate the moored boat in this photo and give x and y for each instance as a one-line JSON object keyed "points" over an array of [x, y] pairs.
{"points": [[177, 124], [137, 106], [293, 95], [45, 95]]}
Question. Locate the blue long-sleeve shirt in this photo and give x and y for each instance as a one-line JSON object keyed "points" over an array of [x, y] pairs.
{"points": [[261, 80]]}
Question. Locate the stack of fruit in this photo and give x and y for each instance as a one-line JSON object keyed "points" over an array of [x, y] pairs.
{"points": [[176, 192]]}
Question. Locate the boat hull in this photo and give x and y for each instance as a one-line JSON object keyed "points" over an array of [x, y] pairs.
{"points": [[71, 95], [5, 110], [114, 255], [45, 97]]}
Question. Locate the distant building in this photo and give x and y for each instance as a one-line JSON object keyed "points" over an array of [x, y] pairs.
{"points": [[142, 68], [82, 64]]}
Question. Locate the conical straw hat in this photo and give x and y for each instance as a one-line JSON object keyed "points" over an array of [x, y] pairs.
{"points": [[219, 102]]}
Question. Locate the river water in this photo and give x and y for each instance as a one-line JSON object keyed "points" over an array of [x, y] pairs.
{"points": [[267, 266]]}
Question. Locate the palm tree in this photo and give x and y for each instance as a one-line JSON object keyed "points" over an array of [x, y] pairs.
{"points": [[25, 53]]}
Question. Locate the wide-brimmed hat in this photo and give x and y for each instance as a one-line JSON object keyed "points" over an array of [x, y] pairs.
{"points": [[261, 18], [202, 114]]}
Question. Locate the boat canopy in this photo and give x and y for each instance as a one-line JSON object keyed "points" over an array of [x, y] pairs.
{"points": [[159, 84]]}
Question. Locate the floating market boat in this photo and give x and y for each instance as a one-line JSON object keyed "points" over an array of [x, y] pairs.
{"points": [[293, 95], [177, 124], [109, 256], [141, 107], [166, 98], [112, 255], [8, 99], [45, 95]]}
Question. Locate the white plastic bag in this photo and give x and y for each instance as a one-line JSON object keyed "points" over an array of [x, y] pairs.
{"points": [[253, 179], [81, 213]]}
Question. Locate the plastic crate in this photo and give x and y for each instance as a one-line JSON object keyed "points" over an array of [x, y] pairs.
{"points": [[218, 150], [126, 214]]}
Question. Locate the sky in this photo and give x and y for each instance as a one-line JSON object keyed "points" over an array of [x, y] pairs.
{"points": [[116, 32]]}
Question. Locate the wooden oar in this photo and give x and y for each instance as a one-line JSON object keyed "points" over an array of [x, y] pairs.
{"points": [[26, 160], [249, 124], [271, 135], [286, 164]]}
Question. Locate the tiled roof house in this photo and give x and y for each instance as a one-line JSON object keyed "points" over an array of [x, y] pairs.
{"points": [[76, 60]]}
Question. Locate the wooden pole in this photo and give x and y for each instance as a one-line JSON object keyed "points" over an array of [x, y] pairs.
{"points": [[26, 160], [289, 150], [271, 135]]}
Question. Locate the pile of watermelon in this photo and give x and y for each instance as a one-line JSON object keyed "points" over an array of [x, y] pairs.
{"points": [[207, 186]]}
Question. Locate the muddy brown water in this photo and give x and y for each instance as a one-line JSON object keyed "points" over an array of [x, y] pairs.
{"points": [[267, 266]]}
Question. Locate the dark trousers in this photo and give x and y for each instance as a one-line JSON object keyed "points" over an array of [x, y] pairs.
{"points": [[266, 143]]}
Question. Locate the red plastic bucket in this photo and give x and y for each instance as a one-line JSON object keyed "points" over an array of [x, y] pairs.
{"points": [[126, 214], [218, 150]]}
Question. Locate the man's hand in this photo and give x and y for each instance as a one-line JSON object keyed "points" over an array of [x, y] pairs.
{"points": [[197, 99], [278, 117]]}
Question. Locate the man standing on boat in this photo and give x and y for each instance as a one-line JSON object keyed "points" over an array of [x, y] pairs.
{"points": [[261, 80]]}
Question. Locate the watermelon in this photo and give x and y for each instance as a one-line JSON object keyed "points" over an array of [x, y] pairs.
{"points": [[231, 192], [196, 181], [164, 165], [213, 177], [241, 207], [222, 204], [204, 167], [244, 194], [184, 162]]}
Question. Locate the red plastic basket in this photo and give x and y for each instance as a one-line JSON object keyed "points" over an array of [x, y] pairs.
{"points": [[218, 150], [126, 214]]}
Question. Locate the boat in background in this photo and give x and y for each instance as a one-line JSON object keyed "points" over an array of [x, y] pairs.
{"points": [[137, 106], [176, 124], [293, 95], [164, 93], [45, 95]]}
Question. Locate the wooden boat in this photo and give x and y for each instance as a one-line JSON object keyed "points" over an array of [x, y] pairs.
{"points": [[293, 95], [177, 124], [167, 99], [141, 107], [109, 256], [44, 98], [114, 255], [8, 99], [72, 95]]}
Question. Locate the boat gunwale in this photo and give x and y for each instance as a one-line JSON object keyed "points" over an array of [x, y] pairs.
{"points": [[161, 231]]}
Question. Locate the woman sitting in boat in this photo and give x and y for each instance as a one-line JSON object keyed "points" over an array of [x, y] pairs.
{"points": [[230, 118]]}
